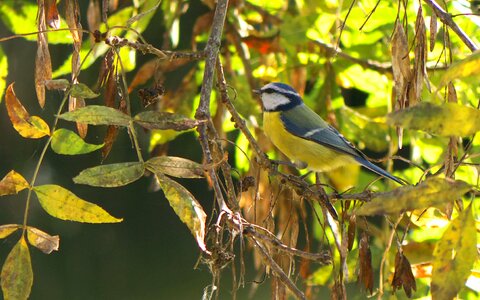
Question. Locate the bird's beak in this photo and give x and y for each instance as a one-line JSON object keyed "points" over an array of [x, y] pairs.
{"points": [[257, 92]]}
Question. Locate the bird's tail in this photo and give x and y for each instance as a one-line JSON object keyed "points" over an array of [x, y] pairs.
{"points": [[379, 170]]}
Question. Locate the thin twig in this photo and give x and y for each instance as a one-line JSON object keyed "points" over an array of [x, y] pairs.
{"points": [[323, 258], [276, 269], [447, 19]]}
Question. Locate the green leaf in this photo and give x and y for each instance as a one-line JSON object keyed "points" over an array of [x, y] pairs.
{"points": [[12, 183], [461, 69], [68, 142], [449, 119], [164, 120], [175, 166], [80, 90], [97, 115], [185, 206], [3, 73], [454, 256], [430, 192], [63, 204], [112, 175], [17, 274]]}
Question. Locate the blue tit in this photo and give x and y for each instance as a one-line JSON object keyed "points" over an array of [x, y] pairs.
{"points": [[303, 136]]}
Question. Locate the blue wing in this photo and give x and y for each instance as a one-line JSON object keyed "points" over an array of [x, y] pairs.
{"points": [[303, 122]]}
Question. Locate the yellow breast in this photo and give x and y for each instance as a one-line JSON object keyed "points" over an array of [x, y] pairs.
{"points": [[316, 156]]}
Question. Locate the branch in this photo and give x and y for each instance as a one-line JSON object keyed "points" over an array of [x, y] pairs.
{"points": [[447, 19], [203, 110]]}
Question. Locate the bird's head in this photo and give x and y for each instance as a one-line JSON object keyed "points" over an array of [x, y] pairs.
{"points": [[278, 96]]}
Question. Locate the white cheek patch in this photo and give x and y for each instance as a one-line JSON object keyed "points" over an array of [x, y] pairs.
{"points": [[272, 101]]}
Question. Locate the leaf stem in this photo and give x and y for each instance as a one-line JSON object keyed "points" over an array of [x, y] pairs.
{"points": [[40, 160], [131, 129]]}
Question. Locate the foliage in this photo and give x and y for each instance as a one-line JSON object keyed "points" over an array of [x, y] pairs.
{"points": [[397, 79]]}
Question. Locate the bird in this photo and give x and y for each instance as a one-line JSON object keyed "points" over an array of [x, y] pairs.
{"points": [[304, 137]]}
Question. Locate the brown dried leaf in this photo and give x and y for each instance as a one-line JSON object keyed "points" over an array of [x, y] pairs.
{"points": [[264, 45], [352, 228], [452, 93], [433, 30], [72, 17], [419, 69], [365, 275], [42, 240], [43, 63], [110, 137], [403, 276], [51, 12], [400, 58], [202, 24], [93, 15]]}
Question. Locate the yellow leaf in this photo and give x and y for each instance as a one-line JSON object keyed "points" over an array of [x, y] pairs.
{"points": [[449, 119], [17, 274], [430, 192], [63, 204], [454, 256], [42, 240], [185, 206], [8, 229], [27, 126], [464, 68], [12, 183]]}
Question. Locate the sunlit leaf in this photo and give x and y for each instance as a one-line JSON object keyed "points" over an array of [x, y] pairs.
{"points": [[175, 166], [454, 256], [12, 183], [27, 126], [461, 69], [83, 91], [449, 119], [185, 206], [63, 204], [3, 72], [42, 240], [68, 142], [21, 19], [8, 229], [164, 120], [430, 192], [112, 175], [17, 274], [97, 115]]}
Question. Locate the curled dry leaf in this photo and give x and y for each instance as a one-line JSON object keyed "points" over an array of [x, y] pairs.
{"points": [[51, 14], [12, 183], [57, 84], [365, 275], [43, 63], [433, 30], [42, 240], [403, 276], [419, 64], [27, 126]]}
